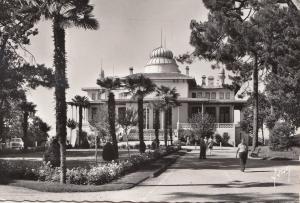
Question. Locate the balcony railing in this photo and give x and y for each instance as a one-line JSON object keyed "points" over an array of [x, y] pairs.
{"points": [[217, 125]]}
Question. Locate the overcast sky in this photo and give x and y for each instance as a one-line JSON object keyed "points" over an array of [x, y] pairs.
{"points": [[129, 31]]}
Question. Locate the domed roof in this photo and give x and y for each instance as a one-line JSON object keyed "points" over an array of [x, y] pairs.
{"points": [[161, 52], [161, 61]]}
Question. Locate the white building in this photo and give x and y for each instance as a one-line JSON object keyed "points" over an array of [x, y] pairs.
{"points": [[210, 97]]}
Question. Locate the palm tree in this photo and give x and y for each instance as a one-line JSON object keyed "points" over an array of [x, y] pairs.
{"points": [[64, 14], [140, 86], [169, 99], [111, 84], [27, 108], [80, 102], [72, 125]]}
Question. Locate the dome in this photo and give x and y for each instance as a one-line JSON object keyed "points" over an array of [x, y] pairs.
{"points": [[161, 61]]}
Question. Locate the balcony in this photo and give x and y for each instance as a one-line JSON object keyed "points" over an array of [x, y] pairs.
{"points": [[187, 126]]}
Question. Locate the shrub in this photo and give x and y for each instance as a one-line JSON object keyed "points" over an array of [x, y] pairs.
{"points": [[225, 138], [108, 152], [142, 147], [52, 154], [19, 169], [78, 176], [280, 138], [218, 139]]}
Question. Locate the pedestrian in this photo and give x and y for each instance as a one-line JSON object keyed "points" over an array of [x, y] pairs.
{"points": [[243, 154], [210, 145], [202, 149]]}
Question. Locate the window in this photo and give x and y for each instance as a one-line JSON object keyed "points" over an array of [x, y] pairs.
{"points": [[99, 95], [193, 94], [154, 118], [213, 95], [221, 95], [121, 112], [199, 94], [227, 95], [146, 118], [207, 95], [94, 113], [224, 115], [93, 96], [211, 111]]}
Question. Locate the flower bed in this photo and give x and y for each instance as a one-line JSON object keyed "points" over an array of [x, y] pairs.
{"points": [[95, 175]]}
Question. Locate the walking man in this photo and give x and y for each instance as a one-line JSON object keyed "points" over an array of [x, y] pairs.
{"points": [[243, 154]]}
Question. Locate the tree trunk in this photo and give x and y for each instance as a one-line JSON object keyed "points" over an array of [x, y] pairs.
{"points": [[112, 119], [2, 138], [25, 129], [80, 127], [166, 127], [156, 126], [60, 92], [255, 106], [170, 125], [141, 123]]}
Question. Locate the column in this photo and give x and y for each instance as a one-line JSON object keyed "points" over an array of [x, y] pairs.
{"points": [[162, 120], [202, 109], [217, 114]]}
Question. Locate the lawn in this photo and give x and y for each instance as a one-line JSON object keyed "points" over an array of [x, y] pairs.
{"points": [[75, 157], [266, 152]]}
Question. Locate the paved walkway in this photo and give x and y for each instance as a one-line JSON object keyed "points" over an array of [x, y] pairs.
{"points": [[192, 180]]}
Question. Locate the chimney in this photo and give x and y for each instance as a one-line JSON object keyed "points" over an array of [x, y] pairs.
{"points": [[203, 80], [211, 81], [131, 70], [222, 76], [187, 71]]}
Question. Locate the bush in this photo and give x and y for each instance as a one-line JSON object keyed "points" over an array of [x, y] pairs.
{"points": [[109, 153], [19, 169], [280, 138], [52, 154], [78, 176], [225, 138], [218, 139], [142, 147]]}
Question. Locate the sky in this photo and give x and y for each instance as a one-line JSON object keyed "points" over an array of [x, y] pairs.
{"points": [[129, 31]]}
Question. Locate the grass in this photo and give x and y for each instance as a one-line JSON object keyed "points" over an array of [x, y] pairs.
{"points": [[58, 187], [75, 158], [266, 152]]}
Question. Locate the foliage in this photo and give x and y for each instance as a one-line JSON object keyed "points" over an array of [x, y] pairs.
{"points": [[52, 154], [64, 14], [225, 138], [110, 84], [203, 125], [218, 139], [280, 138], [139, 86], [168, 99], [96, 175], [108, 152], [81, 102]]}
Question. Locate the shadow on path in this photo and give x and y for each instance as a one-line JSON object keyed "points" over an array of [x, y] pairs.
{"points": [[233, 184], [278, 197], [221, 162]]}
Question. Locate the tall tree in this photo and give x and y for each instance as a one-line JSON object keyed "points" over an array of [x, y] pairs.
{"points": [[232, 36], [157, 106], [139, 87], [169, 99], [110, 84], [65, 14], [27, 108], [127, 121], [81, 102], [17, 18]]}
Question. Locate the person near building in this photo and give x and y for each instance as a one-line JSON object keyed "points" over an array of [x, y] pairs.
{"points": [[243, 154]]}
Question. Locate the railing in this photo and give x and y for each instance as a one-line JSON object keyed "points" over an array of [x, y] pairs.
{"points": [[217, 125]]}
